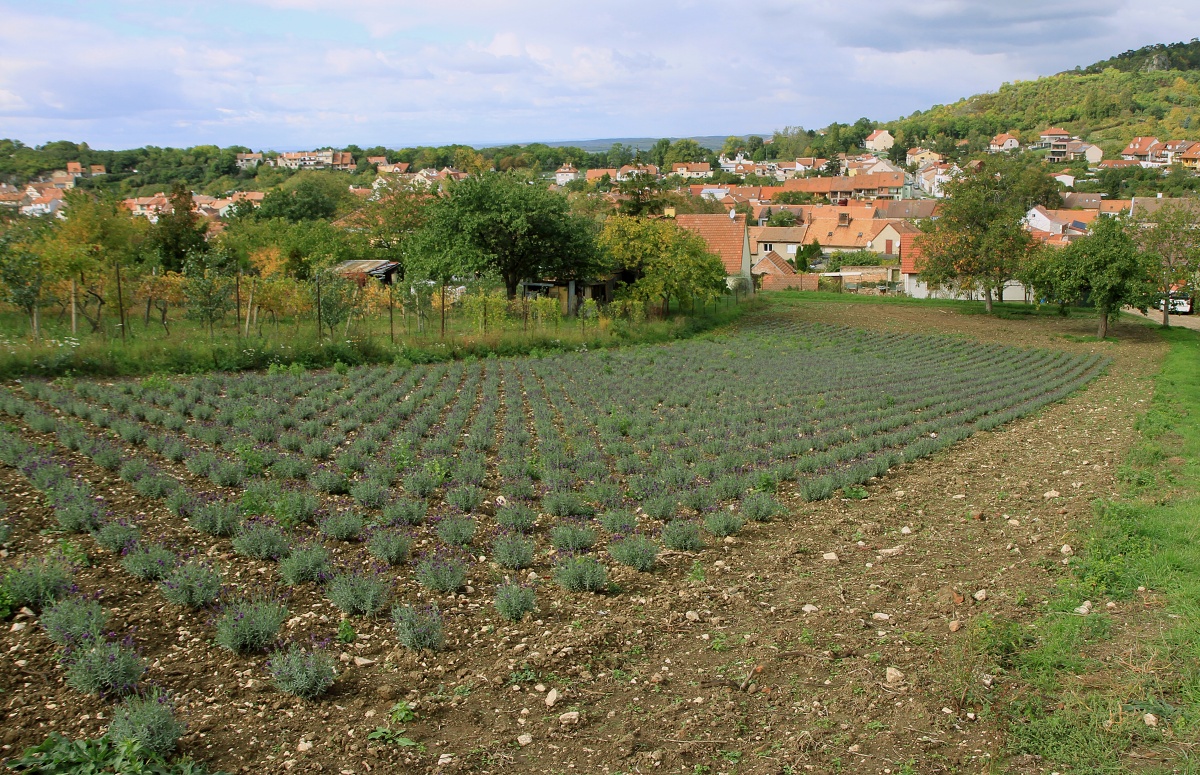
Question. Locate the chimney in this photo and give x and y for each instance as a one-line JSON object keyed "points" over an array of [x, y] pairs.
{"points": [[843, 219]]}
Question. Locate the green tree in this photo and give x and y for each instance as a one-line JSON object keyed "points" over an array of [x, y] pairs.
{"points": [[22, 273], [683, 151], [208, 291], [664, 259], [178, 233], [1170, 238], [782, 218], [1104, 266], [335, 299]]}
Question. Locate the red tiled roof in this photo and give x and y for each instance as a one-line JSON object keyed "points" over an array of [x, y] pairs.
{"points": [[725, 236], [910, 254]]}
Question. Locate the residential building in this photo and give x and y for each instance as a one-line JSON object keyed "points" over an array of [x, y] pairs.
{"points": [[75, 169], [595, 175], [879, 185], [1139, 149], [773, 273], [1049, 136], [1063, 150], [879, 141], [566, 173], [692, 170], [98, 169], [727, 236], [1003, 142], [317, 160], [921, 156]]}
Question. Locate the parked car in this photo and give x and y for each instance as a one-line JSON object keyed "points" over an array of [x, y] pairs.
{"points": [[1181, 303]]}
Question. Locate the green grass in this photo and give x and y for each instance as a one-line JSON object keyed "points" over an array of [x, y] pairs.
{"points": [[1148, 537], [1008, 310]]}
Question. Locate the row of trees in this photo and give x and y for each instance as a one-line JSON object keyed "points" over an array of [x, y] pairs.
{"points": [[493, 229], [979, 243]]}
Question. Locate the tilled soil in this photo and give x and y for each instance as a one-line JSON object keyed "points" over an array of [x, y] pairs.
{"points": [[830, 639]]}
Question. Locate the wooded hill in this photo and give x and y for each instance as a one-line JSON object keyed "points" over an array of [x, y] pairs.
{"points": [[1106, 103]]}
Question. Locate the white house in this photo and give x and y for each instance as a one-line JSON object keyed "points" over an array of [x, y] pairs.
{"points": [[565, 174], [879, 141], [1003, 142]]}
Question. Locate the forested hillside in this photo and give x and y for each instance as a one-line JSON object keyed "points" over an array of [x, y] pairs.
{"points": [[1160, 56]]}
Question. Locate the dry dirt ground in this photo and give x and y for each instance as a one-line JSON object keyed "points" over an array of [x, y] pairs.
{"points": [[761, 654]]}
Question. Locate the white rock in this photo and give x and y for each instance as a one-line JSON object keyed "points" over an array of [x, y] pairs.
{"points": [[524, 740], [1050, 494], [894, 677], [363, 661], [891, 552], [1067, 550], [568, 718], [906, 530], [880, 617], [981, 595], [501, 500], [303, 746], [1084, 609], [1150, 720], [17, 627], [692, 616], [809, 608], [551, 698], [445, 759], [831, 556]]}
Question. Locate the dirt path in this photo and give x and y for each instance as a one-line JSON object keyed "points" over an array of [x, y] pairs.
{"points": [[1183, 321], [757, 654]]}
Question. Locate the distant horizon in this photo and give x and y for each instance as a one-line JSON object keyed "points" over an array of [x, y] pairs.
{"points": [[179, 74]]}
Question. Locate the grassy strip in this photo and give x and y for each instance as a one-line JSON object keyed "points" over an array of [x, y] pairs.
{"points": [[192, 352], [1085, 688]]}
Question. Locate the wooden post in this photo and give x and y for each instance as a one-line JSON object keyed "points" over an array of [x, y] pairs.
{"points": [[249, 308], [120, 302], [391, 312], [237, 301], [319, 330], [74, 304], [443, 310]]}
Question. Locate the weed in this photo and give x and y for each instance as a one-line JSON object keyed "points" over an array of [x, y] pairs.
{"points": [[402, 713], [697, 572], [346, 632]]}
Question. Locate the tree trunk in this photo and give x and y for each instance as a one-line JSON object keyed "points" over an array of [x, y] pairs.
{"points": [[74, 308], [510, 287], [249, 308], [1102, 328], [391, 315], [33, 317], [120, 303], [443, 310], [987, 300], [320, 331], [237, 303], [146, 317]]}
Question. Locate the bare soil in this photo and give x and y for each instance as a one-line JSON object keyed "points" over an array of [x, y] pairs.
{"points": [[755, 654]]}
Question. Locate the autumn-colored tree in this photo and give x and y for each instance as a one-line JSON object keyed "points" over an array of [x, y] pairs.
{"points": [[1170, 237]]}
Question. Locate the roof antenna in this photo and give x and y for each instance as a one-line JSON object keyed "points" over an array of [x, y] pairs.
{"points": [[732, 214]]}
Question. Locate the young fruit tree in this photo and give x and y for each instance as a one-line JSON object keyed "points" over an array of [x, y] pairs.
{"points": [[1170, 237]]}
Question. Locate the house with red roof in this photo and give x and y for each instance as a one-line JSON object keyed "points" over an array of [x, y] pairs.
{"points": [[1139, 149], [728, 236], [1003, 142], [879, 141]]}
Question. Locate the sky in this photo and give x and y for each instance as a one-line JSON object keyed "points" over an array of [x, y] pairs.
{"points": [[293, 74]]}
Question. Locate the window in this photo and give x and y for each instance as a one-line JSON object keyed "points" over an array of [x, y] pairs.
{"points": [[765, 247]]}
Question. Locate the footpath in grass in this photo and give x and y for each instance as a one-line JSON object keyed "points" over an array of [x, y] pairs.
{"points": [[1108, 677]]}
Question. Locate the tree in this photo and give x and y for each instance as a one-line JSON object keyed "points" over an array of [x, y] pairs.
{"points": [[1104, 266], [503, 225], [640, 195], [22, 274], [664, 259], [309, 198], [684, 151], [979, 242], [335, 298], [782, 218], [1171, 240], [178, 233], [206, 289]]}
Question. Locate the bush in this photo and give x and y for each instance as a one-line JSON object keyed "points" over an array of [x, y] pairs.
{"points": [[105, 456], [419, 630], [305, 563], [362, 592], [74, 621], [77, 512], [572, 537], [329, 480], [156, 486], [261, 539], [405, 512], [566, 504], [456, 531], [760, 507], [663, 508], [132, 470], [637, 551], [149, 562], [250, 625], [389, 545], [513, 551], [723, 523], [442, 572], [148, 720], [117, 536], [290, 467], [421, 483], [195, 583], [306, 674], [104, 667], [513, 601], [516, 516], [467, 499], [581, 574], [38, 582], [619, 522], [342, 525], [217, 518], [292, 508], [682, 536], [369, 494], [200, 463], [228, 473]]}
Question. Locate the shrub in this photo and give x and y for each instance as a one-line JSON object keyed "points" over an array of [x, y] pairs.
{"points": [[663, 508], [329, 480], [369, 494], [291, 467], [513, 551], [572, 537], [104, 667], [149, 721], [117, 536], [419, 630], [261, 539], [174, 450], [342, 525], [516, 516], [132, 470], [77, 512], [305, 563], [456, 531], [389, 545], [318, 449], [682, 536], [619, 522], [405, 512], [250, 625], [228, 473], [156, 486], [73, 621], [217, 518], [292, 508], [637, 551], [442, 572], [194, 583], [466, 499], [296, 670], [728, 488], [760, 507], [362, 592], [106, 456], [38, 582], [566, 504], [149, 562], [200, 463], [513, 601], [581, 574], [258, 497], [421, 483], [723, 523]]}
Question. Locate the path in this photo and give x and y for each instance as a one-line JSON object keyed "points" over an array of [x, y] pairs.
{"points": [[1182, 321]]}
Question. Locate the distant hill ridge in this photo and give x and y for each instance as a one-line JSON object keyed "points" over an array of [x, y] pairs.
{"points": [[1160, 56]]}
